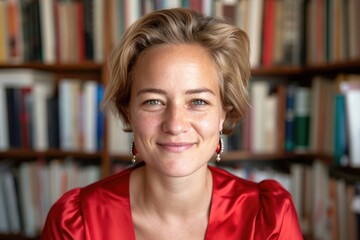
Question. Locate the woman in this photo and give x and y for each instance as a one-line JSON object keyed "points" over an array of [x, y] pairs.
{"points": [[178, 80]]}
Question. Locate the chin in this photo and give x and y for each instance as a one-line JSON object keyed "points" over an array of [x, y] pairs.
{"points": [[182, 168]]}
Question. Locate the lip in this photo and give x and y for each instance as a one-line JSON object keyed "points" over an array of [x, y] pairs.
{"points": [[176, 147]]}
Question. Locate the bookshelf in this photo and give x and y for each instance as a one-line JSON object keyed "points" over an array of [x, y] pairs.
{"points": [[301, 71]]}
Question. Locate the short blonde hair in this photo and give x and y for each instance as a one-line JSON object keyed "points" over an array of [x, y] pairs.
{"points": [[227, 44]]}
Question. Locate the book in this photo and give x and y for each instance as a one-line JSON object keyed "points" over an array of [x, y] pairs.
{"points": [[42, 87], [4, 223], [259, 91], [280, 117], [301, 118], [4, 55], [289, 118], [13, 117], [100, 118], [118, 140], [99, 30], [320, 191], [88, 28], [352, 99], [340, 132], [26, 197], [47, 24], [70, 110], [14, 31], [255, 30], [270, 122], [351, 91], [52, 106], [268, 33], [90, 116], [11, 201]]}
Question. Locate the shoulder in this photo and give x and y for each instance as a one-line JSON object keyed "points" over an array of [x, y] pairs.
{"points": [[65, 209], [73, 212], [266, 188], [266, 205], [267, 194]]}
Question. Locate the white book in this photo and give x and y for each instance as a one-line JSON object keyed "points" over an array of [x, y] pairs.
{"points": [[207, 7], [45, 203], [258, 95], [255, 30], [47, 21], [342, 218], [4, 136], [90, 116], [172, 3], [43, 87], [69, 121], [99, 32], [320, 200], [11, 199], [118, 140], [352, 100], [55, 172], [270, 123], [297, 172], [132, 10], [26, 200], [72, 171], [4, 224], [90, 174]]}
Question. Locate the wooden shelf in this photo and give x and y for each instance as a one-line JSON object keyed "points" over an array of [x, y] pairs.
{"points": [[272, 71], [16, 237], [31, 154], [85, 67], [352, 66], [349, 174], [277, 71]]}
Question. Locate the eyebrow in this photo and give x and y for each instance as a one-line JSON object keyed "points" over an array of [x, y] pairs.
{"points": [[162, 92]]}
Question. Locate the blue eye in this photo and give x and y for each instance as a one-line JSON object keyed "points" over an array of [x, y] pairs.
{"points": [[153, 102], [199, 102]]}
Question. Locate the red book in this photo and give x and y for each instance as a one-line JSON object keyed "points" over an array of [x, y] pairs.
{"points": [[268, 32], [80, 30]]}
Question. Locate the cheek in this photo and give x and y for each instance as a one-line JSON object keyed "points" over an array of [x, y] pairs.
{"points": [[144, 124], [208, 124]]}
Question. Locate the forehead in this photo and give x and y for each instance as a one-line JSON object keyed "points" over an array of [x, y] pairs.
{"points": [[179, 63]]}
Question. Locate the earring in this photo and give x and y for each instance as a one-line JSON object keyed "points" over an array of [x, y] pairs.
{"points": [[220, 148], [133, 151]]}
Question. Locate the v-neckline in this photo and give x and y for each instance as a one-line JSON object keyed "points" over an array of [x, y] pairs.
{"points": [[210, 219]]}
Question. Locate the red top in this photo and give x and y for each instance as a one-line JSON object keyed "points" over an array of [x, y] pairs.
{"points": [[240, 209]]}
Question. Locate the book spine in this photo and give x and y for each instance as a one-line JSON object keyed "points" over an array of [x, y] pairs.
{"points": [[289, 118]]}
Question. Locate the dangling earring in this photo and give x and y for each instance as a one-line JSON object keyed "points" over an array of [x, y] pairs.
{"points": [[220, 148], [133, 151]]}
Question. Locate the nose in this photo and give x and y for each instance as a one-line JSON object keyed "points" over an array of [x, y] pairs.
{"points": [[175, 120]]}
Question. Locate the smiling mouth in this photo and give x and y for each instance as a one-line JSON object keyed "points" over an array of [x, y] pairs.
{"points": [[176, 147]]}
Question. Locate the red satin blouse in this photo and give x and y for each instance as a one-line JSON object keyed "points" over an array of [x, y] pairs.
{"points": [[240, 209]]}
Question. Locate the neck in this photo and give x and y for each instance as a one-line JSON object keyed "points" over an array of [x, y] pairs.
{"points": [[170, 197]]}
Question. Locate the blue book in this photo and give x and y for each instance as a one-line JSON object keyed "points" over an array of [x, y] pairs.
{"points": [[289, 118], [100, 118], [340, 138]]}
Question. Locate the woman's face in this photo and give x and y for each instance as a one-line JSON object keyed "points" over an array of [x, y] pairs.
{"points": [[175, 109]]}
